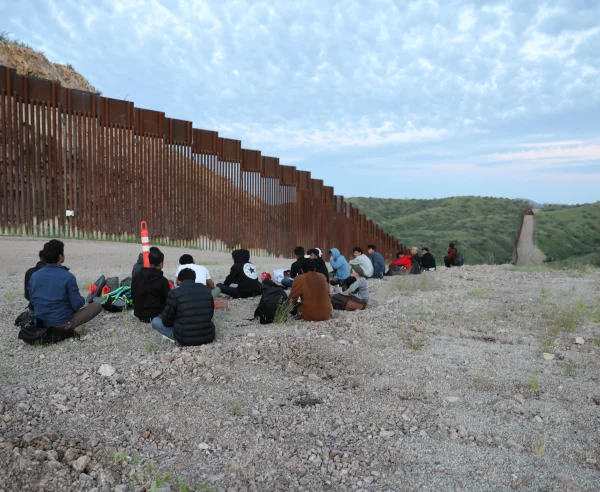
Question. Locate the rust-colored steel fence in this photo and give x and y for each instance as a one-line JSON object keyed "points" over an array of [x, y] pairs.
{"points": [[114, 165]]}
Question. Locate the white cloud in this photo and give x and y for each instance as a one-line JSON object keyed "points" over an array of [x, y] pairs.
{"points": [[542, 45], [466, 20], [561, 151]]}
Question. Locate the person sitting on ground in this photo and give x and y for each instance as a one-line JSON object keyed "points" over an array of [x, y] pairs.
{"points": [[150, 288], [341, 269], [361, 263], [202, 274], [243, 274], [415, 260], [41, 263], [427, 260], [357, 289], [402, 264], [377, 261], [313, 290], [188, 313], [54, 293], [295, 268], [450, 258], [139, 264], [315, 255]]}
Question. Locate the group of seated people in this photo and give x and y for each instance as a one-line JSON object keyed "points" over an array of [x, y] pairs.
{"points": [[184, 314]]}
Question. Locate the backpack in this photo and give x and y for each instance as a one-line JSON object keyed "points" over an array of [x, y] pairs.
{"points": [[460, 260], [116, 301], [32, 330], [272, 297]]}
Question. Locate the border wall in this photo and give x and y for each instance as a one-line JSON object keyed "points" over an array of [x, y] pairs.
{"points": [[113, 165]]}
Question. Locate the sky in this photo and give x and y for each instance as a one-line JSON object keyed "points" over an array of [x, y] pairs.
{"points": [[382, 98]]}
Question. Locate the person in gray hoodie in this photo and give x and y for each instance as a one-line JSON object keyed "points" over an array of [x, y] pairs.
{"points": [[361, 263]]}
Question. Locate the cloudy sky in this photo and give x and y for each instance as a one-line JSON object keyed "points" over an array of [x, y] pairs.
{"points": [[380, 98]]}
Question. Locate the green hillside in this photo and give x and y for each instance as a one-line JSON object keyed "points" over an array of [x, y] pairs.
{"points": [[484, 229], [569, 232]]}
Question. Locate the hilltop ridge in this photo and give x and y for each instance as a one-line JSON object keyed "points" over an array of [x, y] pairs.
{"points": [[27, 61]]}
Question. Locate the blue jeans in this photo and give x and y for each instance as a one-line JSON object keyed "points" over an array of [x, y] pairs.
{"points": [[287, 282], [157, 324]]}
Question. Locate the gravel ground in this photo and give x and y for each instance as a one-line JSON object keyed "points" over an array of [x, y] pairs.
{"points": [[439, 385]]}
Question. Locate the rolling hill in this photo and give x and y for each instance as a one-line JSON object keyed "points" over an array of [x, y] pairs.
{"points": [[569, 232], [483, 228]]}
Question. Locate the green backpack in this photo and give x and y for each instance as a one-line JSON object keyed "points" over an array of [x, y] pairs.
{"points": [[117, 300]]}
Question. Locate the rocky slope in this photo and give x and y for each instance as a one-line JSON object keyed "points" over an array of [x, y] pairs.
{"points": [[31, 63]]}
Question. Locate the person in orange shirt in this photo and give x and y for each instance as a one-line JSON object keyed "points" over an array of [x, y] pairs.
{"points": [[311, 288]]}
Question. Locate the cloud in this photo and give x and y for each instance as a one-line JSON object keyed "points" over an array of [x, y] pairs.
{"points": [[541, 45], [554, 151]]}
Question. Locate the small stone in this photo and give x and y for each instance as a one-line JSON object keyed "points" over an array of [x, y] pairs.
{"points": [[386, 434], [81, 463], [519, 398], [106, 370], [156, 374], [462, 431], [512, 444], [567, 483], [293, 367], [452, 399], [548, 356], [209, 377], [579, 341], [70, 455], [203, 445], [538, 419], [314, 377]]}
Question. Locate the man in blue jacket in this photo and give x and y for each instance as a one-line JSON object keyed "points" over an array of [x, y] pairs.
{"points": [[339, 264], [377, 260], [55, 296]]}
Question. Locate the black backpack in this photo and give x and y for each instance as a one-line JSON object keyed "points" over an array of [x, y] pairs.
{"points": [[272, 297]]}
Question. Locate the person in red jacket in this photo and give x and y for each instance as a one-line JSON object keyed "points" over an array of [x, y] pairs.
{"points": [[450, 258], [402, 262]]}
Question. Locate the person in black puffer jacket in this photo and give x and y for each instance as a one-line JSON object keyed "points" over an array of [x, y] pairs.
{"points": [[243, 274], [188, 314]]}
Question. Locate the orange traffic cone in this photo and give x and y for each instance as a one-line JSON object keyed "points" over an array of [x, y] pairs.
{"points": [[145, 243]]}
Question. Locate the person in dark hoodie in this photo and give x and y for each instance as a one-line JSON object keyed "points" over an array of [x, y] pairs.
{"points": [[29, 273], [295, 268], [150, 288], [138, 266], [415, 259], [243, 274], [188, 314], [315, 255], [427, 260]]}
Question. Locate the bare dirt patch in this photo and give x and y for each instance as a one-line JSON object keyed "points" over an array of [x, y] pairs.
{"points": [[439, 385]]}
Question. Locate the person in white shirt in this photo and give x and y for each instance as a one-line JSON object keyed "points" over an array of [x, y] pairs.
{"points": [[361, 264], [202, 274]]}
